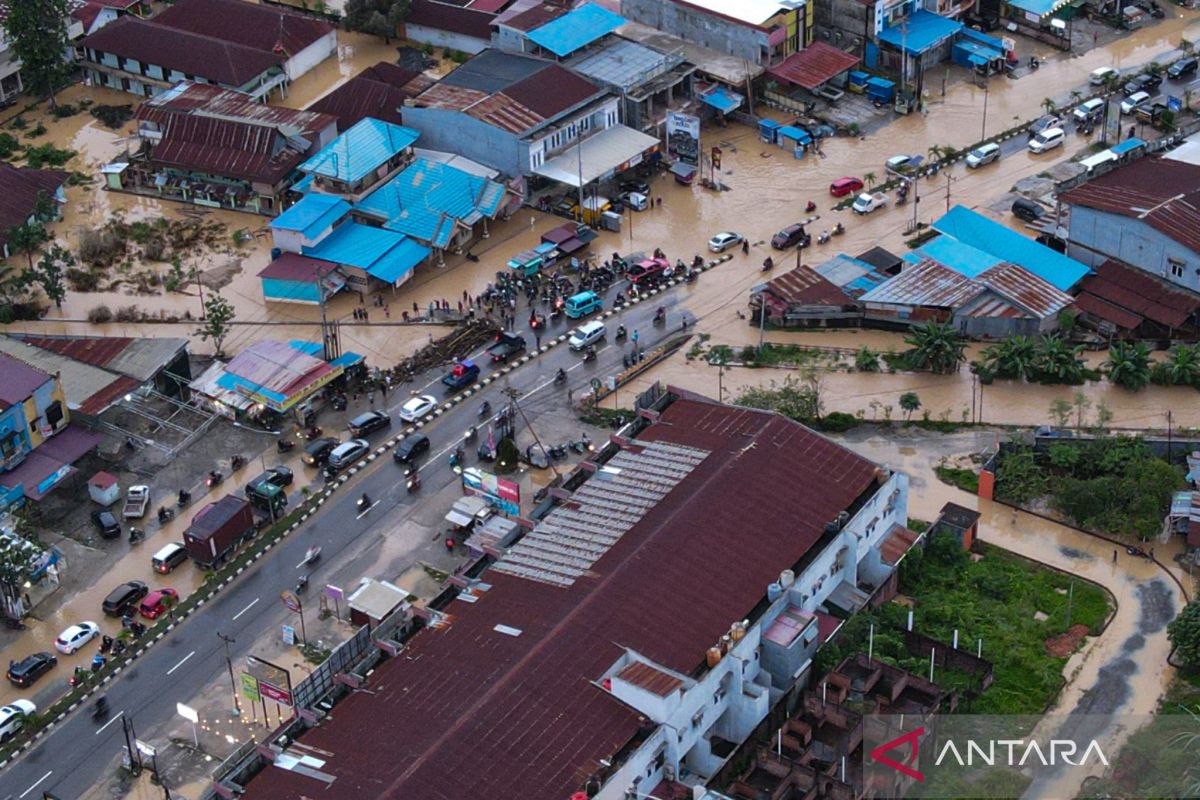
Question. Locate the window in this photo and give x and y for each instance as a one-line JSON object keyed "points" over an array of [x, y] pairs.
{"points": [[54, 414], [1176, 267]]}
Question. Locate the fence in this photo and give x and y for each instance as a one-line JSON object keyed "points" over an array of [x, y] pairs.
{"points": [[321, 680]]}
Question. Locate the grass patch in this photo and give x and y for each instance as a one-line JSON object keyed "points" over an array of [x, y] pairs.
{"points": [[965, 479], [993, 599]]}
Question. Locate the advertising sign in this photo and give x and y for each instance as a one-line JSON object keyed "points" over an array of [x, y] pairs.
{"points": [[271, 680], [1112, 122], [503, 495], [683, 137], [291, 601], [289, 635], [250, 687], [275, 694]]}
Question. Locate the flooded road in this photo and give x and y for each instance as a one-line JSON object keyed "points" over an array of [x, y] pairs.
{"points": [[1120, 674]]}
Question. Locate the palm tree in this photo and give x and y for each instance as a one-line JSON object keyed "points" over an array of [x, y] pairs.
{"points": [[1128, 365], [1182, 367], [866, 360], [1076, 96], [1049, 104], [869, 179], [935, 152], [909, 402], [935, 347], [1058, 362], [1012, 358]]}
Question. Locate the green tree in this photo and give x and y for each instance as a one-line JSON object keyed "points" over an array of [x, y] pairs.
{"points": [[1060, 412], [869, 179], [1182, 367], [379, 17], [1104, 416], [866, 360], [26, 238], [1049, 105], [936, 347], [51, 272], [398, 13], [1081, 404], [1058, 362], [1128, 365], [1184, 633], [1013, 357], [507, 456], [38, 33], [909, 402], [218, 321]]}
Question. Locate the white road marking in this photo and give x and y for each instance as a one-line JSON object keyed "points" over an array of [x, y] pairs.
{"points": [[180, 664], [365, 512], [34, 786], [110, 722], [247, 608]]}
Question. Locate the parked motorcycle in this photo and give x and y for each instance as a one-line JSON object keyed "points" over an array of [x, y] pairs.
{"points": [[839, 229], [214, 478], [823, 237], [106, 643], [77, 677], [184, 497], [236, 462]]}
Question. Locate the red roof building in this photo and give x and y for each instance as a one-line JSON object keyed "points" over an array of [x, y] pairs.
{"points": [[591, 653], [378, 92], [1134, 301], [20, 189]]}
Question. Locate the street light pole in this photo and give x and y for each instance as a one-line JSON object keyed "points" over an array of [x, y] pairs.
{"points": [[983, 132], [228, 640]]}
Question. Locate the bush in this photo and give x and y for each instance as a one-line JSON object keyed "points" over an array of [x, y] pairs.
{"points": [[65, 110], [155, 249], [100, 248], [36, 131], [838, 422], [99, 315], [129, 314], [47, 155], [112, 116], [83, 280], [19, 123], [9, 145]]}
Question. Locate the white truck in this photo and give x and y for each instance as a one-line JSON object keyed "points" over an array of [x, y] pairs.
{"points": [[136, 500], [867, 202]]}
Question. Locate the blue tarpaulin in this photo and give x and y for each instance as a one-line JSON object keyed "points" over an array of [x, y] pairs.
{"points": [[1127, 146], [722, 100], [795, 134], [920, 32]]}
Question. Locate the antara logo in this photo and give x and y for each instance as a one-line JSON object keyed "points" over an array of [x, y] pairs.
{"points": [[910, 739], [989, 752]]}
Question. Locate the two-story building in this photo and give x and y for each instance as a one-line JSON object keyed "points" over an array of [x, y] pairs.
{"points": [[762, 32], [24, 194], [526, 116], [679, 588], [1145, 214], [252, 48]]}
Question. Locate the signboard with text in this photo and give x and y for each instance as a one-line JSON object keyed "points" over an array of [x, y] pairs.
{"points": [[503, 495], [683, 137], [250, 687]]}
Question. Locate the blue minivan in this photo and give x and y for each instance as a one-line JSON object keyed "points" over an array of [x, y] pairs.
{"points": [[582, 304]]}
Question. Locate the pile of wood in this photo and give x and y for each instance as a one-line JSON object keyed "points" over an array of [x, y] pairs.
{"points": [[459, 343]]}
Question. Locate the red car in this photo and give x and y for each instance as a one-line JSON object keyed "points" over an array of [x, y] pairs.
{"points": [[648, 270], [844, 186], [157, 602]]}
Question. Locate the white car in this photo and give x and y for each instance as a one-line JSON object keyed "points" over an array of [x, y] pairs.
{"points": [[417, 407], [984, 154], [1101, 74], [897, 162], [12, 717], [1130, 104], [76, 637], [723, 241], [867, 202], [1047, 140]]}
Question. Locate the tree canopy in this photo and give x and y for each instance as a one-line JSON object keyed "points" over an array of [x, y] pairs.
{"points": [[38, 33]]}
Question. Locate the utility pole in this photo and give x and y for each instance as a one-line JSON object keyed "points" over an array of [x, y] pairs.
{"points": [[228, 640], [949, 180], [983, 131], [513, 395]]}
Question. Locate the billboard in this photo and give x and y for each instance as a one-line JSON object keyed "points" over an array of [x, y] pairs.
{"points": [[499, 493], [683, 137], [271, 680], [1112, 122]]}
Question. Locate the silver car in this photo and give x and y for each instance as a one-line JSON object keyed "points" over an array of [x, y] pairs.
{"points": [[984, 154]]}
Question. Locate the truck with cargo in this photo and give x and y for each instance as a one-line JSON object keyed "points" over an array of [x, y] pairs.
{"points": [[218, 529], [136, 500]]}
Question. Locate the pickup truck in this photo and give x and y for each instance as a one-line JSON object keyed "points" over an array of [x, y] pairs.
{"points": [[1151, 114], [507, 345], [463, 374], [868, 202], [136, 500]]}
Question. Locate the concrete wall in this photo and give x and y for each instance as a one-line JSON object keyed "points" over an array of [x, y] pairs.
{"points": [[1098, 235], [511, 39], [848, 18], [443, 129], [440, 38], [310, 56], [693, 24]]}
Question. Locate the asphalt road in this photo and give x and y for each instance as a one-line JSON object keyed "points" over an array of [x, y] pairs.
{"points": [[77, 752]]}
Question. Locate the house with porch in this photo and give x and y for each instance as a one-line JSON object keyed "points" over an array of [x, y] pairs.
{"points": [[359, 159], [252, 48]]}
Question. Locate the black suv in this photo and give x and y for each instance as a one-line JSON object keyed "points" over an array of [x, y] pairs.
{"points": [[368, 422], [1028, 210], [317, 451], [280, 476], [411, 448], [124, 598], [1143, 83], [107, 524], [1182, 68], [25, 672]]}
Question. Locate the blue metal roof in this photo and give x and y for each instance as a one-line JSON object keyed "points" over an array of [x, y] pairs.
{"points": [[920, 31], [383, 254], [792, 132], [576, 29], [311, 348], [1039, 7], [360, 150], [347, 359], [722, 100], [962, 258], [429, 197], [313, 214], [1124, 147], [1007, 245]]}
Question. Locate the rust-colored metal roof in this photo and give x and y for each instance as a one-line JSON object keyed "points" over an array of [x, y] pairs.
{"points": [[1140, 294], [502, 702], [213, 101], [240, 150], [19, 190], [268, 29], [898, 542], [1092, 304], [471, 22], [1163, 193], [805, 287], [814, 65], [644, 676], [536, 17], [926, 283], [1021, 287], [99, 351], [552, 91]]}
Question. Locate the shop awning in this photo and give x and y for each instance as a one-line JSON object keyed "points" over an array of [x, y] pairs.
{"points": [[813, 66], [1038, 8], [920, 32], [682, 169], [600, 155], [570, 245], [722, 100]]}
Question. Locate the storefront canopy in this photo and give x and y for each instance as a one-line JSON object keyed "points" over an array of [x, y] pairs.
{"points": [[1038, 8], [813, 66], [921, 32], [722, 100], [602, 154]]}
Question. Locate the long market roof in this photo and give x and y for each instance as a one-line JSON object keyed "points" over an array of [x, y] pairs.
{"points": [[920, 31]]}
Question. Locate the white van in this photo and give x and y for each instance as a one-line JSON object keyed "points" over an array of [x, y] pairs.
{"points": [[1092, 110], [1099, 76], [587, 334], [1130, 104], [1047, 140], [1103, 157]]}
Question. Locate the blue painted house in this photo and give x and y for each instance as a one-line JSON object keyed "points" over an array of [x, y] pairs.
{"points": [[364, 155]]}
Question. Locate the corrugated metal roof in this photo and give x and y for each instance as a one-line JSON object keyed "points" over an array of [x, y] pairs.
{"points": [[232, 149], [314, 213], [991, 237], [441, 723], [958, 256], [623, 63], [298, 268], [920, 31], [1163, 193], [853, 275], [805, 286], [276, 367], [428, 198], [814, 65], [213, 101], [85, 386], [384, 254], [1024, 289], [18, 380], [268, 29], [472, 22], [653, 680], [360, 150], [926, 283], [1129, 294], [141, 358], [575, 29], [19, 190]]}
